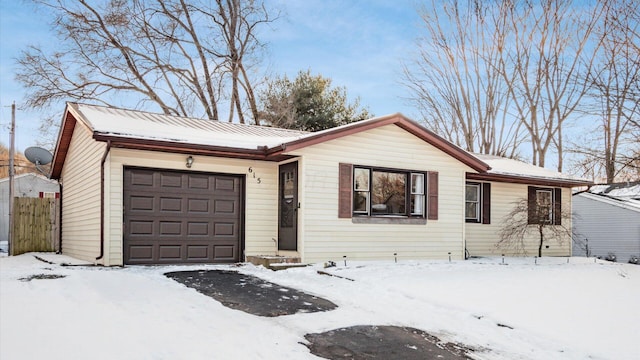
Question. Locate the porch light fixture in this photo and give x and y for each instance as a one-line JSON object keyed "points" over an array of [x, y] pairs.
{"points": [[189, 161]]}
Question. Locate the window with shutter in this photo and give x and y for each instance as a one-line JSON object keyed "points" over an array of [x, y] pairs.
{"points": [[477, 207], [366, 191], [544, 205]]}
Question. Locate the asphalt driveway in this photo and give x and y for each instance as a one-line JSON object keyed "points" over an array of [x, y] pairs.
{"points": [[263, 298], [251, 294]]}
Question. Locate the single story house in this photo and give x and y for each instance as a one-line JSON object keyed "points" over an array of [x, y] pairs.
{"points": [[144, 188], [607, 222], [26, 185]]}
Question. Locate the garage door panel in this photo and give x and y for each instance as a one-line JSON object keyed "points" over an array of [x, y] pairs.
{"points": [[198, 229], [198, 252], [170, 252], [170, 204], [225, 184], [141, 203], [199, 182], [224, 206], [170, 180], [181, 217], [141, 252], [224, 252], [198, 205], [140, 178], [224, 229], [141, 227], [170, 228]]}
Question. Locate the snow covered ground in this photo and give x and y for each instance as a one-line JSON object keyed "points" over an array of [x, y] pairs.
{"points": [[553, 310]]}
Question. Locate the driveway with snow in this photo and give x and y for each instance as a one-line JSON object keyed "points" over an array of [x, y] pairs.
{"points": [[552, 310], [249, 293]]}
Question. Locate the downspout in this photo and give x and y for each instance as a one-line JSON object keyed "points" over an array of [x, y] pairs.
{"points": [[104, 159], [60, 221]]}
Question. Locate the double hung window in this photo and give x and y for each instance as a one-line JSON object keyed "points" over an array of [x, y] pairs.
{"points": [[545, 205], [472, 203], [477, 202]]}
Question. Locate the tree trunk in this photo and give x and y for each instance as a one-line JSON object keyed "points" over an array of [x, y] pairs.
{"points": [[541, 232]]}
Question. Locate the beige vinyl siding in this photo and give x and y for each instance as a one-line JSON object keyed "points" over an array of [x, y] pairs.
{"points": [[80, 180], [482, 239], [260, 220], [323, 236]]}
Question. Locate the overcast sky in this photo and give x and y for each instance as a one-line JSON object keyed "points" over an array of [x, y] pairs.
{"points": [[359, 44]]}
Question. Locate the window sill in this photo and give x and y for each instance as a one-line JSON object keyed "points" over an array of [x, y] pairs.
{"points": [[387, 220]]}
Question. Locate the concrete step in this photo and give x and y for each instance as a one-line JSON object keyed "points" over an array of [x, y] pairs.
{"points": [[275, 262]]}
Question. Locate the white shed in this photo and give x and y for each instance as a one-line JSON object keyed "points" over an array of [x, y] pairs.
{"points": [[26, 185], [606, 226]]}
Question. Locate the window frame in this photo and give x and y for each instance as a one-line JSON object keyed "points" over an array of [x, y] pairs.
{"points": [[538, 211], [357, 191], [478, 203], [483, 208], [417, 194], [408, 193]]}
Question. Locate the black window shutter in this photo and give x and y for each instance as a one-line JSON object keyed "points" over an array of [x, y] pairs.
{"points": [[557, 206], [531, 202], [432, 187], [486, 203], [345, 188]]}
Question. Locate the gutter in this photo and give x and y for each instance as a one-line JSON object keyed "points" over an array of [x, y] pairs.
{"points": [[104, 159]]}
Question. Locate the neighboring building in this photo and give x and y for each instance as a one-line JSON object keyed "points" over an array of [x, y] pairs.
{"points": [[26, 185], [607, 222], [143, 188]]}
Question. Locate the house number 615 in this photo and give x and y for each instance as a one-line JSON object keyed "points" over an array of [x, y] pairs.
{"points": [[250, 170]]}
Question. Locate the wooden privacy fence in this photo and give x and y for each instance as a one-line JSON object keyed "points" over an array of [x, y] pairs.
{"points": [[36, 224]]}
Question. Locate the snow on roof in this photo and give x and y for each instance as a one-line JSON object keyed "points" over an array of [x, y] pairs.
{"points": [[628, 190], [151, 126], [620, 202], [504, 166]]}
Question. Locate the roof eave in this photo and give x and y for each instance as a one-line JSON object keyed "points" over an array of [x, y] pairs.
{"points": [[529, 180], [184, 148], [62, 144]]}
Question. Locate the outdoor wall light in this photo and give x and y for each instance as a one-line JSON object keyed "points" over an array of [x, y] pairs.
{"points": [[189, 161]]}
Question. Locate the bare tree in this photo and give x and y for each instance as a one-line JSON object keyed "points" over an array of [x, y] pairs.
{"points": [[493, 75], [185, 57], [551, 45], [527, 218], [457, 78], [613, 95]]}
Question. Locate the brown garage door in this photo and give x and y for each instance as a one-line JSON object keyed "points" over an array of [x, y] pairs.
{"points": [[181, 217]]}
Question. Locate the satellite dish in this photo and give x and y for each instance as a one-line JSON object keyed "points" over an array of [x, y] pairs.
{"points": [[38, 156]]}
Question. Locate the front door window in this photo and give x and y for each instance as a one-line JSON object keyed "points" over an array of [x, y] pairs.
{"points": [[288, 207]]}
